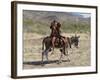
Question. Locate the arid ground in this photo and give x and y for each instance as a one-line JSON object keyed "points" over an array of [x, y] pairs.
{"points": [[33, 49]]}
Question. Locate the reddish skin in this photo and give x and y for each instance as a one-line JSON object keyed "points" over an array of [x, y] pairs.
{"points": [[55, 32], [53, 35]]}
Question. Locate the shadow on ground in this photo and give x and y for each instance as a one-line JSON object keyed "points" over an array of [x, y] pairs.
{"points": [[44, 62]]}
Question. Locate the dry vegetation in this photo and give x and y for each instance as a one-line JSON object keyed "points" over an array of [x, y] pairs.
{"points": [[36, 26], [32, 52]]}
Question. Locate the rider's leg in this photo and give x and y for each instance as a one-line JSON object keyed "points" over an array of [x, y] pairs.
{"points": [[64, 40], [64, 43], [53, 45]]}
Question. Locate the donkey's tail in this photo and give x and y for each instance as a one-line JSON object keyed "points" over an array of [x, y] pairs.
{"points": [[43, 44]]}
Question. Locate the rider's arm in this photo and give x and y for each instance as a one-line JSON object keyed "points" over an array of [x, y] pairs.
{"points": [[51, 26]]}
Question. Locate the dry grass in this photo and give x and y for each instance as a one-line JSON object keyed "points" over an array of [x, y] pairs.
{"points": [[32, 52]]}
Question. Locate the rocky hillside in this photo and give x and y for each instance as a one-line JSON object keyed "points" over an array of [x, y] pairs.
{"points": [[39, 21]]}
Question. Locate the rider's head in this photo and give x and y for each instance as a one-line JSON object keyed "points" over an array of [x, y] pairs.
{"points": [[54, 21]]}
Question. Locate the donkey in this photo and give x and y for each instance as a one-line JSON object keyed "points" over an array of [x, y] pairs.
{"points": [[58, 44]]}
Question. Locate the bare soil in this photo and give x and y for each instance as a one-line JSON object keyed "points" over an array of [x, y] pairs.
{"points": [[32, 52]]}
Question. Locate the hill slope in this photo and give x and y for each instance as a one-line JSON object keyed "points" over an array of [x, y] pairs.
{"points": [[39, 21]]}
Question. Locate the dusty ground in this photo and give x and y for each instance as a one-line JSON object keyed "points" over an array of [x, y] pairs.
{"points": [[32, 53]]}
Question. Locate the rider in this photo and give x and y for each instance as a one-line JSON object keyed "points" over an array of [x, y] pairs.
{"points": [[55, 32]]}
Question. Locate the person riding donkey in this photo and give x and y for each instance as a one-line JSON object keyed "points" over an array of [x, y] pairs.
{"points": [[55, 33]]}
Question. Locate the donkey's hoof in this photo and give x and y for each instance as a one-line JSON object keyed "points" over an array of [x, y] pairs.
{"points": [[68, 60], [59, 62], [42, 64]]}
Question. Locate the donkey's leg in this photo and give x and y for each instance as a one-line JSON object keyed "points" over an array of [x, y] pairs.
{"points": [[52, 51], [66, 51], [47, 57], [67, 55], [61, 55], [65, 45], [53, 44], [46, 54], [42, 57], [68, 59]]}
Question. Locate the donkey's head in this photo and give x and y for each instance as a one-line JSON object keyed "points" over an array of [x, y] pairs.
{"points": [[75, 40]]}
